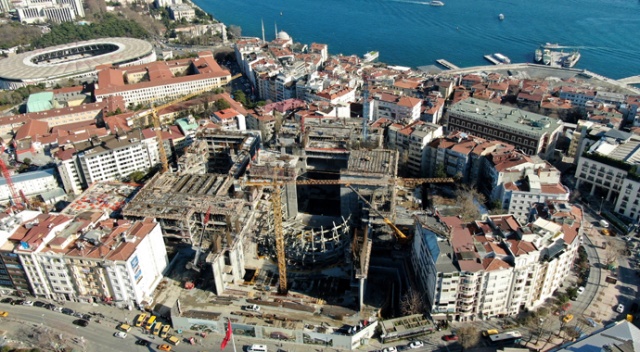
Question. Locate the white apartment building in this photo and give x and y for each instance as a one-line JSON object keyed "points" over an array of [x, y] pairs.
{"points": [[90, 259], [518, 197], [495, 267], [180, 11], [30, 183], [111, 158], [32, 11], [165, 3], [396, 108], [410, 141]]}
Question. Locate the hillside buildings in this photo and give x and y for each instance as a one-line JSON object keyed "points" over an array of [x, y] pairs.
{"points": [[494, 267], [34, 11]]}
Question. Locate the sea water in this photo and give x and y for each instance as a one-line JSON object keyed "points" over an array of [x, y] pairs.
{"points": [[413, 33]]}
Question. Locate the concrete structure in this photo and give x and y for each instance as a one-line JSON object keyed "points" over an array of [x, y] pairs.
{"points": [[30, 183], [619, 336], [72, 61], [161, 81], [495, 267], [411, 141], [34, 11], [532, 133], [395, 107], [229, 152]]}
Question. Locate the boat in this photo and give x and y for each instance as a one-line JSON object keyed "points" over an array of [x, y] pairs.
{"points": [[436, 3], [571, 59], [501, 58], [501, 17], [371, 56], [538, 55], [546, 57]]}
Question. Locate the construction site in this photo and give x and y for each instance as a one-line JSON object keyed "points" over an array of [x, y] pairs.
{"points": [[320, 237]]}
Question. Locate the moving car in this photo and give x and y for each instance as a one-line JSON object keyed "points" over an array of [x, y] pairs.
{"points": [[452, 337], [81, 322], [567, 318], [620, 308], [4, 314], [164, 347], [142, 342], [124, 327], [416, 344], [580, 290], [120, 334]]}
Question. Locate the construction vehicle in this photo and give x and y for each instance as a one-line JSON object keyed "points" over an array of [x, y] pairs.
{"points": [[276, 201], [164, 162]]}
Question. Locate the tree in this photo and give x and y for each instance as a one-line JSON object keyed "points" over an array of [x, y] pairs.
{"points": [[136, 176], [222, 104], [440, 171], [468, 336], [240, 97], [27, 161], [412, 303], [234, 31], [467, 199]]}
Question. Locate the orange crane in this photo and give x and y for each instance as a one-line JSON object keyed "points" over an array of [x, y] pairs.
{"points": [[157, 126], [276, 201]]}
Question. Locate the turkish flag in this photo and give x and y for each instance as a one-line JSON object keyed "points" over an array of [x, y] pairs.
{"points": [[227, 337]]}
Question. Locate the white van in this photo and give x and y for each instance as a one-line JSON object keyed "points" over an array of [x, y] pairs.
{"points": [[257, 348], [604, 223]]}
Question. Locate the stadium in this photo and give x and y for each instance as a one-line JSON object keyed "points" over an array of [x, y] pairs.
{"points": [[72, 61]]}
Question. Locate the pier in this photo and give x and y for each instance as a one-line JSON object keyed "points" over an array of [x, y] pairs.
{"points": [[447, 64], [630, 80], [492, 60]]}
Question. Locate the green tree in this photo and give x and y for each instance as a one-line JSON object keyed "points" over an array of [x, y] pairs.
{"points": [[240, 97], [468, 336], [136, 176], [222, 104], [440, 171]]}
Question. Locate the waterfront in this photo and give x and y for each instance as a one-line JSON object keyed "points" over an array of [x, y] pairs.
{"points": [[412, 33]]}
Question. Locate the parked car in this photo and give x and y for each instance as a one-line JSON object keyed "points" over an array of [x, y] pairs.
{"points": [[580, 290], [451, 337], [486, 333], [67, 311], [416, 344], [27, 303], [7, 300], [39, 304], [252, 307], [390, 349], [120, 334], [17, 302], [620, 308]]}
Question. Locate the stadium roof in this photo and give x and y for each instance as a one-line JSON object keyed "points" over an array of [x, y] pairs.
{"points": [[23, 66]]}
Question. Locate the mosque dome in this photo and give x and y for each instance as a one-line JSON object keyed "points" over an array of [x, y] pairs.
{"points": [[283, 35]]}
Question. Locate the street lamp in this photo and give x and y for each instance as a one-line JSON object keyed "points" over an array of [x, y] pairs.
{"points": [[601, 202]]}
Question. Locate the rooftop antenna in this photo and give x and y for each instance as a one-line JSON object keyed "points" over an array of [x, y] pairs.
{"points": [[262, 21]]}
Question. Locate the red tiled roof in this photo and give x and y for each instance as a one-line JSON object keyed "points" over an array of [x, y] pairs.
{"points": [[31, 129]]}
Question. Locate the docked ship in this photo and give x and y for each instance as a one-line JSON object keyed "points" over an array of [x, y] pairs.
{"points": [[571, 59], [436, 3], [371, 56], [538, 55], [501, 58], [546, 57]]}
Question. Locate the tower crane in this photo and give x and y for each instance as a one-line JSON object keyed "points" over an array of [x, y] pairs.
{"points": [[276, 201], [12, 189], [156, 123]]}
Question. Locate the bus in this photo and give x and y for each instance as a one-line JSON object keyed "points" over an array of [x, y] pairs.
{"points": [[506, 337], [141, 319], [152, 319]]}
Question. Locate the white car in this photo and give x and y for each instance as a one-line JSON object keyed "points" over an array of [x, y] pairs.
{"points": [[390, 349], [27, 303], [252, 307], [620, 308], [580, 290], [120, 334], [416, 344]]}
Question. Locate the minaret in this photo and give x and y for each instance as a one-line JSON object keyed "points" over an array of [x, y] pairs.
{"points": [[264, 41], [276, 25], [365, 109]]}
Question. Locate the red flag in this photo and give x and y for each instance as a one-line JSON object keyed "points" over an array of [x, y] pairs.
{"points": [[227, 337], [206, 216]]}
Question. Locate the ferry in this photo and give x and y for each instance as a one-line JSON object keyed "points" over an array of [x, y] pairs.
{"points": [[436, 3], [371, 56], [546, 57], [501, 58], [571, 59]]}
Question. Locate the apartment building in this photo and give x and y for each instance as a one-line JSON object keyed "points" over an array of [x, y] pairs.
{"points": [[229, 119], [180, 11], [30, 11], [110, 158], [410, 141], [335, 94], [495, 267], [13, 279], [395, 108], [92, 259], [161, 80], [30, 184], [518, 197], [532, 133]]}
